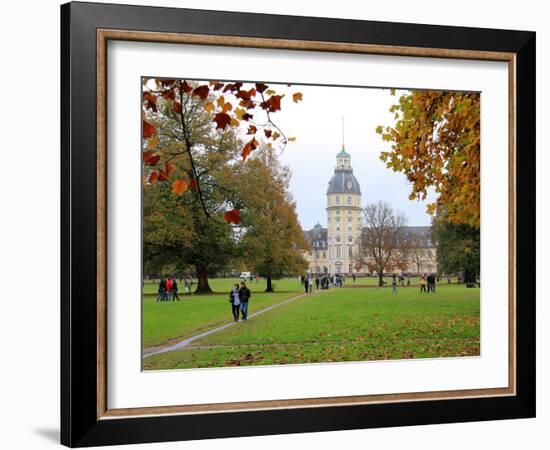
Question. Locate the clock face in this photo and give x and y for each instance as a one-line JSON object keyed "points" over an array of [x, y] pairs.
{"points": [[348, 184]]}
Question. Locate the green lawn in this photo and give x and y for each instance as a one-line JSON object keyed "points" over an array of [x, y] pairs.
{"points": [[336, 325], [166, 322]]}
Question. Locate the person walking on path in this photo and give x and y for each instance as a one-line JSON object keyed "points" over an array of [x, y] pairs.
{"points": [[235, 302], [162, 290], [394, 285], [317, 283], [168, 289], [175, 290], [244, 296], [306, 285], [423, 283], [310, 284]]}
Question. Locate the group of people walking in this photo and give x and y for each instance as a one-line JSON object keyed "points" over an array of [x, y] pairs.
{"points": [[168, 289], [239, 297], [323, 282]]}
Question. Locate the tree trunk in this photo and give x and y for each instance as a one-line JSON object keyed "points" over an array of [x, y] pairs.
{"points": [[381, 278], [269, 287], [470, 278], [202, 280]]}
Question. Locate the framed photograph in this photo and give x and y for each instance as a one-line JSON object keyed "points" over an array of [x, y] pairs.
{"points": [[279, 224]]}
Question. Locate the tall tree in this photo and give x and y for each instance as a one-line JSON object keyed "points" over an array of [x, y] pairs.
{"points": [[178, 114], [272, 241], [383, 240], [457, 250], [435, 143]]}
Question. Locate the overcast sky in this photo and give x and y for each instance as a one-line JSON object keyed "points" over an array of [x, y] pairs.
{"points": [[317, 124]]}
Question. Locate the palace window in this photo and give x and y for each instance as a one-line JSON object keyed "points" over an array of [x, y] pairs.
{"points": [[324, 255], [338, 252], [338, 220], [337, 200], [337, 212], [350, 252], [350, 239], [349, 199], [337, 239]]}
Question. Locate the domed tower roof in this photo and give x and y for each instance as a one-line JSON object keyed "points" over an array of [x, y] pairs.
{"points": [[343, 181]]}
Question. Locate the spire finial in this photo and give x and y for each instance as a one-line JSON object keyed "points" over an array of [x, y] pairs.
{"points": [[343, 144]]}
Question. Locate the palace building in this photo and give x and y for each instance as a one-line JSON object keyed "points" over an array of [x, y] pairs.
{"points": [[332, 249]]}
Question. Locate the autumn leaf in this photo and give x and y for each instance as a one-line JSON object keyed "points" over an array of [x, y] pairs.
{"points": [[272, 104], [169, 168], [261, 87], [150, 101], [193, 183], [201, 91], [239, 112], [186, 87], [251, 145], [179, 187], [291, 139], [150, 159], [247, 117], [232, 216], [169, 95], [222, 120], [234, 122], [267, 133], [153, 177], [227, 107], [176, 107], [209, 107], [297, 97], [251, 129], [163, 176], [149, 130]]}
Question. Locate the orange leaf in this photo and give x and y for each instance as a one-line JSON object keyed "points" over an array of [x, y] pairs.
{"points": [[179, 187], [272, 104], [150, 101], [153, 177], [251, 145], [297, 97], [232, 216], [149, 130], [169, 168]]}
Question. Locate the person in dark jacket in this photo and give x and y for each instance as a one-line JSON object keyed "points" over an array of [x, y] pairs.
{"points": [[244, 296], [162, 290], [175, 290], [235, 301]]}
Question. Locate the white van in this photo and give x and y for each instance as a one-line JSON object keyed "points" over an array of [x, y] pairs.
{"points": [[245, 276]]}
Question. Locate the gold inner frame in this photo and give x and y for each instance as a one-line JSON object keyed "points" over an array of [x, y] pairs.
{"points": [[103, 36]]}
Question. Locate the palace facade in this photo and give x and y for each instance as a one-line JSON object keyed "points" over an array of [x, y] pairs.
{"points": [[333, 249]]}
